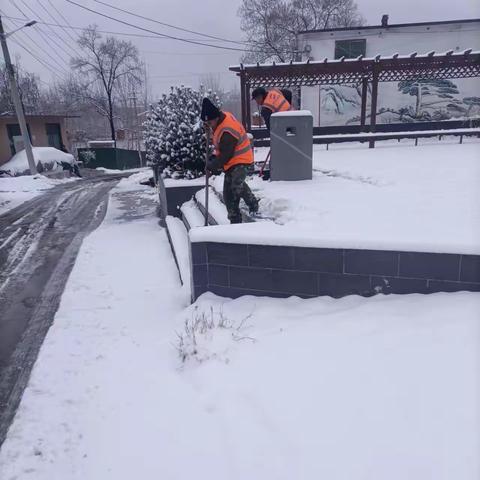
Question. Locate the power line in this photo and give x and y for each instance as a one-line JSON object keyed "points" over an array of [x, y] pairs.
{"points": [[169, 25], [76, 52], [65, 20], [39, 60], [109, 32], [39, 46], [40, 32], [153, 31], [37, 15]]}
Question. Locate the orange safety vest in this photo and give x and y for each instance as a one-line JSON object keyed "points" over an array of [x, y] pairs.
{"points": [[276, 102], [243, 151]]}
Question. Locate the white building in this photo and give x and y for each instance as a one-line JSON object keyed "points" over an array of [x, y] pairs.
{"points": [[333, 105]]}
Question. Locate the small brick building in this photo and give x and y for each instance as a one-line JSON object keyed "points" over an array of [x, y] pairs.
{"points": [[45, 131]]}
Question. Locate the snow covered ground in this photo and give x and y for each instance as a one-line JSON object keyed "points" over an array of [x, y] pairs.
{"points": [[16, 190], [50, 158], [394, 197], [364, 389]]}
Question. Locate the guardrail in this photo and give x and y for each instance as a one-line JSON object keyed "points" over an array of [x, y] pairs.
{"points": [[379, 136]]}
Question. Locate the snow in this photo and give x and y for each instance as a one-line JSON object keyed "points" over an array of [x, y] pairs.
{"points": [[179, 236], [183, 182], [450, 131], [131, 170], [356, 388], [192, 214], [293, 113], [399, 197], [348, 60], [47, 156], [16, 190], [216, 208]]}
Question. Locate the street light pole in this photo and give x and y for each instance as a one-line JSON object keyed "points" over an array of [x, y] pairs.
{"points": [[16, 99]]}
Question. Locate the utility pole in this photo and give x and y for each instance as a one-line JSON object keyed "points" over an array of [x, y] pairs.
{"points": [[137, 128], [16, 97]]}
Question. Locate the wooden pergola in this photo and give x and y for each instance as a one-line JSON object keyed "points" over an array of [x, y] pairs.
{"points": [[358, 71]]}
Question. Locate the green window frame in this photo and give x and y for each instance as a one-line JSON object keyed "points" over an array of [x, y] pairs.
{"points": [[350, 48]]}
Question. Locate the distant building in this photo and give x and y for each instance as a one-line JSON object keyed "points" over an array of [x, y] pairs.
{"points": [[45, 131], [334, 105]]}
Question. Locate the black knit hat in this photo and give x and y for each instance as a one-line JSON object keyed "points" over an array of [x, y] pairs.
{"points": [[259, 92], [209, 110]]}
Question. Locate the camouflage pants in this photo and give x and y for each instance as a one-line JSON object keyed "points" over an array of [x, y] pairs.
{"points": [[235, 188]]}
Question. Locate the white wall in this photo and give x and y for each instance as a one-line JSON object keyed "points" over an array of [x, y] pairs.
{"points": [[402, 40], [386, 41]]}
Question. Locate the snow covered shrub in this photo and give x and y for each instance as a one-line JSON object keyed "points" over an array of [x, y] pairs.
{"points": [[86, 156], [174, 135], [209, 336]]}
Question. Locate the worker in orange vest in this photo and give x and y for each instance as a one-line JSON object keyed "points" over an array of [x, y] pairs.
{"points": [[273, 101], [233, 155]]}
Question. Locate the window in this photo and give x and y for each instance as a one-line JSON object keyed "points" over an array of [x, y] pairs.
{"points": [[350, 48], [15, 137]]}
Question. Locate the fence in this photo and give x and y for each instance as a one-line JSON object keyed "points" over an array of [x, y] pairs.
{"points": [[111, 158]]}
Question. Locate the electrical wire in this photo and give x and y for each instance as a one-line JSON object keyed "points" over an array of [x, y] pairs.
{"points": [[66, 21], [37, 15], [109, 32], [169, 25], [40, 32], [154, 32], [49, 67], [73, 49], [44, 51]]}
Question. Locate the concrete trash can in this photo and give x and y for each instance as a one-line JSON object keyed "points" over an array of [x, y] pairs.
{"points": [[291, 143]]}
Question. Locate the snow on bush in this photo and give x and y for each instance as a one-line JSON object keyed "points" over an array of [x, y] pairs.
{"points": [[86, 156], [46, 159], [210, 335], [174, 135]]}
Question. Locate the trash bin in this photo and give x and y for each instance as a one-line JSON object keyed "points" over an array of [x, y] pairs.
{"points": [[291, 142]]}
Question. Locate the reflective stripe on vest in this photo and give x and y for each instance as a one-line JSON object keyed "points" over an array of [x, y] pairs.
{"points": [[276, 102], [243, 153]]}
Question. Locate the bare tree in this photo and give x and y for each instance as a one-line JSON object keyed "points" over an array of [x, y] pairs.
{"points": [[272, 26], [104, 65], [28, 86]]}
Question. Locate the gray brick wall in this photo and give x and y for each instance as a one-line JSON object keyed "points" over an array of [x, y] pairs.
{"points": [[234, 270]]}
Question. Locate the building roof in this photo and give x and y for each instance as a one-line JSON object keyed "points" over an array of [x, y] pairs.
{"points": [[10, 115], [393, 25]]}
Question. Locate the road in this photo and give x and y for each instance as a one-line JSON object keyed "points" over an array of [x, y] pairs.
{"points": [[39, 241]]}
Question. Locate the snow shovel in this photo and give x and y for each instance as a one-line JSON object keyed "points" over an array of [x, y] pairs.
{"points": [[207, 173]]}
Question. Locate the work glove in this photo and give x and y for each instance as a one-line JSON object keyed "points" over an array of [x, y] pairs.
{"points": [[212, 166]]}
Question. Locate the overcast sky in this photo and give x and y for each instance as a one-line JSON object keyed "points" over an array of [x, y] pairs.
{"points": [[170, 61]]}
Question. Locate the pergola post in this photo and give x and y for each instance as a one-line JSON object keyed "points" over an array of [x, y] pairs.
{"points": [[248, 102], [363, 110], [373, 109], [242, 97]]}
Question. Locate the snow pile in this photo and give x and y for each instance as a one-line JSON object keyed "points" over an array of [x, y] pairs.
{"points": [[46, 158], [114, 171], [16, 190], [216, 208], [399, 197]]}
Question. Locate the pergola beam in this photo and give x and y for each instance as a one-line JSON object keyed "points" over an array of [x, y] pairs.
{"points": [[355, 72]]}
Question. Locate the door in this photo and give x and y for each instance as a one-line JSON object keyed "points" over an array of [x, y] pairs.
{"points": [[54, 135]]}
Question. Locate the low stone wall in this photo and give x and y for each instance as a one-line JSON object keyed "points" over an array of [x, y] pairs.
{"points": [[173, 197], [233, 270]]}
